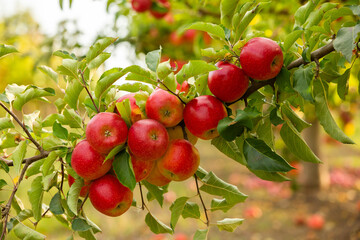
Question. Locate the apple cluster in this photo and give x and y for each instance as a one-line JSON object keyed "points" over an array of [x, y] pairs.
{"points": [[157, 8], [260, 59]]}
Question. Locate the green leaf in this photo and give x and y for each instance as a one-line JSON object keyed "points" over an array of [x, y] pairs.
{"points": [[191, 210], [6, 49], [345, 40], [298, 123], [227, 9], [72, 118], [152, 59], [201, 234], [79, 224], [123, 170], [229, 224], [192, 69], [213, 30], [26, 233], [18, 155], [265, 132], [96, 62], [135, 87], [35, 194], [72, 93], [291, 38], [69, 68], [229, 149], [49, 181], [221, 204], [176, 209], [114, 151], [87, 235], [303, 77], [343, 84], [201, 84], [55, 204], [156, 226], [98, 47], [49, 72], [260, 156], [59, 131], [304, 11], [3, 183], [8, 140], [73, 195], [216, 186], [296, 144], [239, 14], [50, 120], [124, 109], [34, 168], [270, 176], [22, 215], [155, 191], [107, 79], [31, 92], [64, 54], [49, 162], [324, 115]]}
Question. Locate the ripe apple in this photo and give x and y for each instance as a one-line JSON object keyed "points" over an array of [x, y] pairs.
{"points": [[142, 168], [105, 131], [136, 113], [228, 83], [141, 5], [148, 139], [176, 39], [164, 107], [109, 196], [178, 133], [160, 8], [85, 188], [315, 221], [180, 161], [261, 58], [184, 87], [88, 163], [156, 178], [202, 115], [190, 35]]}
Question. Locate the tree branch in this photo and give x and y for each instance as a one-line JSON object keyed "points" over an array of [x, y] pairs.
{"points": [[35, 158], [23, 127], [142, 197], [6, 210]]}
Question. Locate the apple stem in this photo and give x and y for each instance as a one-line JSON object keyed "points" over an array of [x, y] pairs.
{"points": [[182, 124], [83, 83], [142, 197], [201, 199]]}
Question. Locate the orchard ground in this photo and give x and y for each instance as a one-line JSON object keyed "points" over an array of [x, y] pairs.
{"points": [[272, 210]]}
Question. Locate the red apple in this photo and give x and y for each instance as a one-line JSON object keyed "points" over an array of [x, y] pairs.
{"points": [[315, 221], [180, 161], [190, 35], [164, 107], [141, 5], [156, 178], [184, 87], [261, 58], [207, 38], [109, 196], [148, 139], [136, 113], [105, 131], [88, 163], [160, 8], [142, 168], [228, 83], [202, 115], [85, 188], [176, 39]]}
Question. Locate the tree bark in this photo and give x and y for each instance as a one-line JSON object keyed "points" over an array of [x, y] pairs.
{"points": [[314, 177]]}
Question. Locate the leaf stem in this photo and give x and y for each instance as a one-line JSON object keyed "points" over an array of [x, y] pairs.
{"points": [[201, 199], [83, 83]]}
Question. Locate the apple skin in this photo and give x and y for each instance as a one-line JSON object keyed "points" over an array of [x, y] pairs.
{"points": [[141, 168], [165, 108], [109, 196], [141, 5], [261, 58], [164, 4], [136, 113], [180, 161], [105, 131], [228, 83], [202, 115], [177, 133], [156, 178], [148, 139], [184, 87], [84, 190], [315, 221], [88, 163], [176, 39]]}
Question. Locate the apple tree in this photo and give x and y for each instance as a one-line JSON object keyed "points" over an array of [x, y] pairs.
{"points": [[111, 144]]}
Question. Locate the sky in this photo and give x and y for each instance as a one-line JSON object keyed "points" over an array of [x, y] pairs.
{"points": [[91, 18]]}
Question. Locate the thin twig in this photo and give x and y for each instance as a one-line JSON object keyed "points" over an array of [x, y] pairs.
{"points": [[168, 89], [142, 197], [201, 199], [87, 90], [35, 158], [23, 127], [83, 202], [62, 176]]}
